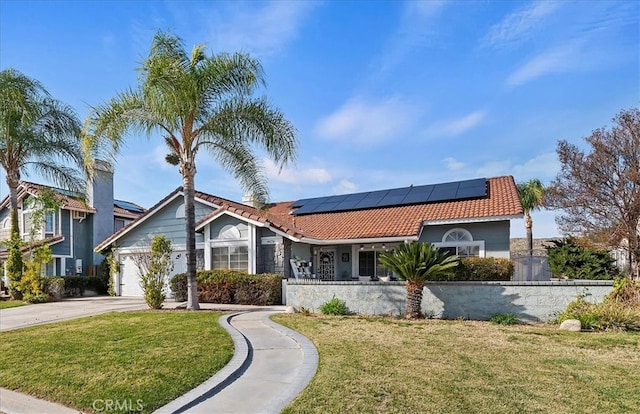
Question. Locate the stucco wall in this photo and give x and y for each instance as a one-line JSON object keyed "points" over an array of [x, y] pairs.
{"points": [[531, 301]]}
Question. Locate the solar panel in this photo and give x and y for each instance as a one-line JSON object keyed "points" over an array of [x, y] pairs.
{"points": [[393, 197], [128, 206]]}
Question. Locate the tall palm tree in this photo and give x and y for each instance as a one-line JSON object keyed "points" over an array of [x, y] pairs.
{"points": [[532, 195], [416, 263], [197, 102], [37, 133]]}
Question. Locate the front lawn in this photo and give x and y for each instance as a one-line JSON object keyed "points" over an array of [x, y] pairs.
{"points": [[140, 359], [382, 365], [10, 303]]}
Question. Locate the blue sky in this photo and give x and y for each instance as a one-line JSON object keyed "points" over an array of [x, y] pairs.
{"points": [[383, 93]]}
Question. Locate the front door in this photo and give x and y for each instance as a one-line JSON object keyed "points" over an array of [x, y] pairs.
{"points": [[326, 269]]}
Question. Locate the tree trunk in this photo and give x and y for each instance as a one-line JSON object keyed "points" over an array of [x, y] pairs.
{"points": [[188, 171], [528, 224], [414, 299], [13, 181]]}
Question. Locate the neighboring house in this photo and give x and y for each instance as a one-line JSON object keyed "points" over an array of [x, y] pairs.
{"points": [[76, 227], [331, 238]]}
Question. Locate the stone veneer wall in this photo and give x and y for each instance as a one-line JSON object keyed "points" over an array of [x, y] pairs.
{"points": [[530, 301]]}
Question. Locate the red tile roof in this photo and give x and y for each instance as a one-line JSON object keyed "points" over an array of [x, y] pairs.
{"points": [[501, 203], [67, 201], [400, 221]]}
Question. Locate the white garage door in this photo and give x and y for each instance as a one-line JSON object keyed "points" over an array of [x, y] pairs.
{"points": [[130, 279]]}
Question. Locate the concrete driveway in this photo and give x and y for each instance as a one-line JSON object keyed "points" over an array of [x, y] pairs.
{"points": [[22, 316]]}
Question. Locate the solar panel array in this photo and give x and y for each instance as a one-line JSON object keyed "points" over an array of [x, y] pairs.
{"points": [[128, 206], [458, 190]]}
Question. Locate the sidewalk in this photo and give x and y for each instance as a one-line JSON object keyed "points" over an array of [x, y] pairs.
{"points": [[270, 367]]}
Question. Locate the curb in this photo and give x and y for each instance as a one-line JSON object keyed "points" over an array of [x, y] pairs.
{"points": [[233, 370], [307, 370]]}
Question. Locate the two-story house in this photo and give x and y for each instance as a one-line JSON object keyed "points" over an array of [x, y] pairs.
{"points": [[77, 227]]}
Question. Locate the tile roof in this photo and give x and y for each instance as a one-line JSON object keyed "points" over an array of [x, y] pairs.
{"points": [[501, 202], [67, 200]]}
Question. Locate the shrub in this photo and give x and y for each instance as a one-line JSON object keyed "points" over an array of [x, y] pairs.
{"points": [[229, 286], [482, 269], [504, 319], [160, 265], [619, 311], [334, 306], [178, 285], [54, 287], [77, 285], [567, 258]]}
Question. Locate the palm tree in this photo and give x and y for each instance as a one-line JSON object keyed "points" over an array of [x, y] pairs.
{"points": [[197, 102], [37, 133], [416, 263], [531, 195]]}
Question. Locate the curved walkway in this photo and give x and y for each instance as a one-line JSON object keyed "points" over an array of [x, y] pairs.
{"points": [[270, 367]]}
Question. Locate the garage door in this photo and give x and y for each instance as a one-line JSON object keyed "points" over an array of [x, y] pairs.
{"points": [[130, 279]]}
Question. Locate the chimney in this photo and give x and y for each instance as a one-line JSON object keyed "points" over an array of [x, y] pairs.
{"points": [[247, 199], [100, 197]]}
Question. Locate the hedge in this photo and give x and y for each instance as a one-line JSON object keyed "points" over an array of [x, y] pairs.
{"points": [[77, 285], [482, 269], [229, 286]]}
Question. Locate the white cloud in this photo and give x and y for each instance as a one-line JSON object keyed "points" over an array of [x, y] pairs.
{"points": [[542, 166], [456, 126], [295, 176], [368, 123], [453, 164], [345, 187], [262, 30], [520, 25], [494, 168], [559, 59]]}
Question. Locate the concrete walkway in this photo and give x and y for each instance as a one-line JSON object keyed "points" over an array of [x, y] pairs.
{"points": [[270, 367]]}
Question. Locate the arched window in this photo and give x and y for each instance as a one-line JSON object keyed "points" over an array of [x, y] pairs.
{"points": [[459, 242], [229, 250], [180, 211], [457, 235]]}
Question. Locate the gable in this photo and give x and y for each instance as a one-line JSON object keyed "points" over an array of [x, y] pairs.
{"points": [[168, 220]]}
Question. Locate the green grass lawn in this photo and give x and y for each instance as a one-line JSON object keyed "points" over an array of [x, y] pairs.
{"points": [[151, 357], [10, 303], [382, 365]]}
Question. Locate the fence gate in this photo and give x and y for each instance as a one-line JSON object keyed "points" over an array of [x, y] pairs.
{"points": [[531, 265]]}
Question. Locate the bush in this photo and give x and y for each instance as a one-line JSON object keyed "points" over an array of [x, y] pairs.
{"points": [[504, 319], [229, 286], [567, 258], [619, 311], [178, 285], [334, 306], [77, 285], [54, 287], [481, 269], [160, 265]]}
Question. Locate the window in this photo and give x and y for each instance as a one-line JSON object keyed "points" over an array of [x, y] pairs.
{"points": [[368, 264], [49, 225], [230, 257], [460, 242], [119, 223]]}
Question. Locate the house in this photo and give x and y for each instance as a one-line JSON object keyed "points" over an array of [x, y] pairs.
{"points": [[76, 227], [330, 238]]}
